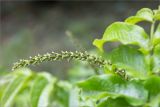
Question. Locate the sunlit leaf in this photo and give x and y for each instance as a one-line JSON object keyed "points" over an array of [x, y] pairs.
{"points": [[156, 59], [15, 86], [144, 14], [22, 99], [61, 93], [155, 102], [157, 14], [130, 59], [41, 90], [156, 38], [133, 92], [152, 84], [124, 33], [118, 102], [74, 98]]}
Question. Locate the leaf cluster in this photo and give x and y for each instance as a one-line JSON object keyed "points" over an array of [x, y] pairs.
{"points": [[136, 61]]}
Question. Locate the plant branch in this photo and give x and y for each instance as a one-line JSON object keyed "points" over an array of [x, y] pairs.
{"points": [[152, 31], [151, 44]]}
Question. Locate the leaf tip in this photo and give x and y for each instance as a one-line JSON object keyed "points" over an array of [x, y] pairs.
{"points": [[99, 44]]}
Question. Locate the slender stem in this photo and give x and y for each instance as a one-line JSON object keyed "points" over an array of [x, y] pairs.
{"points": [[152, 32], [151, 45]]}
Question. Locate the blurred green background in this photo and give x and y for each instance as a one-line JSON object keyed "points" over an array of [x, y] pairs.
{"points": [[29, 28]]}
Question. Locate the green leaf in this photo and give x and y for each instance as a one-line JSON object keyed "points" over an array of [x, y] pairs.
{"points": [[41, 90], [124, 33], [155, 102], [101, 83], [15, 86], [157, 14], [133, 92], [152, 84], [130, 59], [61, 92], [145, 14], [23, 98], [5, 79], [118, 102], [156, 37], [156, 59], [74, 98]]}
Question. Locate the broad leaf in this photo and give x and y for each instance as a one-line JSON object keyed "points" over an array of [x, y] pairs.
{"points": [[23, 98], [60, 95], [156, 38], [4, 81], [133, 92], [154, 102], [157, 14], [130, 59], [152, 84], [15, 86], [124, 33], [145, 14], [118, 102], [156, 59], [41, 90], [74, 98]]}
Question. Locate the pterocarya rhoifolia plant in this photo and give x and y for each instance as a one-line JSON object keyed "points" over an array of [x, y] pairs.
{"points": [[130, 77]]}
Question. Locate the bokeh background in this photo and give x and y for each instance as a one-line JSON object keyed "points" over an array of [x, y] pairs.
{"points": [[32, 27]]}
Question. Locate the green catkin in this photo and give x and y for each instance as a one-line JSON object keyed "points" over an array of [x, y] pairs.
{"points": [[82, 56], [60, 56]]}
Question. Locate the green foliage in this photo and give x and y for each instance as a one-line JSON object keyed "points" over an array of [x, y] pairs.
{"points": [[40, 86], [156, 59], [144, 14], [130, 74], [109, 102], [114, 87], [41, 89], [156, 38], [14, 87], [130, 59], [125, 33]]}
